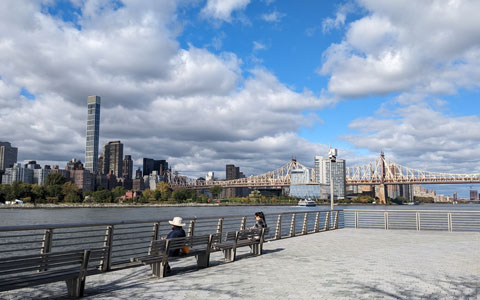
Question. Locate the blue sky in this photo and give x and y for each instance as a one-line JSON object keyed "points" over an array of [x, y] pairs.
{"points": [[204, 83]]}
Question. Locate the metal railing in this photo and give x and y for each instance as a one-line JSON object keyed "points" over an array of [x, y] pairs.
{"points": [[127, 239], [440, 220]]}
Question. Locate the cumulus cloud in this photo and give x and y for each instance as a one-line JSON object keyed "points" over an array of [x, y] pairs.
{"points": [[419, 136], [222, 9], [426, 47], [187, 105], [340, 17], [273, 17]]}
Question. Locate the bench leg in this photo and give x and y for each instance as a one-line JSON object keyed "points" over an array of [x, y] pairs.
{"points": [[228, 255], [75, 287], [202, 260], [159, 269]]}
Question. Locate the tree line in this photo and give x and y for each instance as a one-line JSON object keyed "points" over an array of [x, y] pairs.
{"points": [[57, 189]]}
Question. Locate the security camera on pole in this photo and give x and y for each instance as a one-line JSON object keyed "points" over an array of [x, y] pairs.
{"points": [[332, 155]]}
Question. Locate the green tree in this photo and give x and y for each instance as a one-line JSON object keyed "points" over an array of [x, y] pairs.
{"points": [[216, 190], [103, 196], [118, 192], [55, 191], [38, 194], [165, 190], [55, 179], [180, 195]]}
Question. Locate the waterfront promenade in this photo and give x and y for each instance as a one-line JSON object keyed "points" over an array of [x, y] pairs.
{"points": [[339, 264]]}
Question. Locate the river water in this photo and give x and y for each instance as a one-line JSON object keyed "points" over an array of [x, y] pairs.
{"points": [[33, 216]]}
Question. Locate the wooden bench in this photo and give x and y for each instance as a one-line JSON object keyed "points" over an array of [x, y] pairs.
{"points": [[158, 253], [31, 270], [235, 239]]}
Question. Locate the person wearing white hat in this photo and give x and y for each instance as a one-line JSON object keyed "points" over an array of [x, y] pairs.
{"points": [[177, 231]]}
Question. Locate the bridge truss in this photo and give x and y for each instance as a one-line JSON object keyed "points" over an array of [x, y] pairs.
{"points": [[383, 171], [377, 172], [277, 178]]}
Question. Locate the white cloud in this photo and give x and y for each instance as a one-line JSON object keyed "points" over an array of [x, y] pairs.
{"points": [[421, 137], [273, 17], [340, 17], [190, 106], [222, 9], [423, 47], [258, 46]]}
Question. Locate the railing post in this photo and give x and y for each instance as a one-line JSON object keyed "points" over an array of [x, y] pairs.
{"points": [[292, 226], [335, 223], [156, 227], [220, 227], [278, 230], [385, 220], [46, 246], [191, 228], [305, 224], [356, 219], [106, 263], [243, 224], [327, 221], [317, 220], [450, 222], [417, 215], [47, 241]]}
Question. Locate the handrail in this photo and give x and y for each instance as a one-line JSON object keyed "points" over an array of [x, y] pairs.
{"points": [[410, 210], [126, 222], [440, 220]]}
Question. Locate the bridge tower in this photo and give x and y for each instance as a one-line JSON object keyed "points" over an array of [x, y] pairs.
{"points": [[382, 188]]}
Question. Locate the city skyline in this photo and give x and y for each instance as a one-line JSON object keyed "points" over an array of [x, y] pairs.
{"points": [[203, 84]]}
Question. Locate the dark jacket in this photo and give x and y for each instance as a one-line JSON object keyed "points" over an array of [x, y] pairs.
{"points": [[175, 233], [260, 224]]}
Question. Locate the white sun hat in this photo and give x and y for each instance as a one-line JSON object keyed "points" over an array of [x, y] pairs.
{"points": [[177, 221]]}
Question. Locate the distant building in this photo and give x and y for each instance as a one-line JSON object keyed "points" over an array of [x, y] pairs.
{"points": [[473, 195], [301, 186], [8, 156], [150, 165], [231, 173], [82, 178], [17, 174], [455, 196], [113, 158], [210, 176], [93, 133], [127, 170], [322, 174], [39, 175]]}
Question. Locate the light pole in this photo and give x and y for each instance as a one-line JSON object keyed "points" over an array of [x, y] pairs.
{"points": [[332, 155]]}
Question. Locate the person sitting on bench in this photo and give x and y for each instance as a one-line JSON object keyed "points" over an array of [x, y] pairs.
{"points": [[260, 221]]}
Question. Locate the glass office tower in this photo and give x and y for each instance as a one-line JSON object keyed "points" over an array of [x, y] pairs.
{"points": [[93, 133]]}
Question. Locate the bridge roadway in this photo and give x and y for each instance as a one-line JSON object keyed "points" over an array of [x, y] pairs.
{"points": [[340, 264]]}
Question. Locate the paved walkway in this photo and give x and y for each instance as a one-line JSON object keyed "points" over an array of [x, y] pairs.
{"points": [[341, 264]]}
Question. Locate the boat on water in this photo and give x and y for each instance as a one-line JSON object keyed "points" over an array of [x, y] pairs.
{"points": [[412, 203], [306, 202]]}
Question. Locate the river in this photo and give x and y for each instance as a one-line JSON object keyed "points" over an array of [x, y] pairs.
{"points": [[33, 216]]}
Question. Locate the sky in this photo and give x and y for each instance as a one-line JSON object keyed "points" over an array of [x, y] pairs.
{"points": [[204, 83]]}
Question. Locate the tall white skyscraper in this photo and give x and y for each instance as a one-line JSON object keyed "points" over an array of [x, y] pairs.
{"points": [[93, 134], [322, 174]]}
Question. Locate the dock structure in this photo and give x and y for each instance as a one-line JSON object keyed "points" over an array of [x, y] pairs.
{"points": [[339, 264]]}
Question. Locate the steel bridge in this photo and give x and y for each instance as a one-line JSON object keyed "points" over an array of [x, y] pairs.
{"points": [[378, 172]]}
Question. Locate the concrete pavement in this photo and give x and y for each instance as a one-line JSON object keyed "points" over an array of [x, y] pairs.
{"points": [[340, 264]]}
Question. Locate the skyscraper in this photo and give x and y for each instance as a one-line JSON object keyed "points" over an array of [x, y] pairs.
{"points": [[113, 158], [128, 167], [93, 133], [8, 156], [322, 174]]}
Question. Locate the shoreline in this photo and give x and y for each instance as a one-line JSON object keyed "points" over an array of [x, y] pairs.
{"points": [[115, 205]]}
